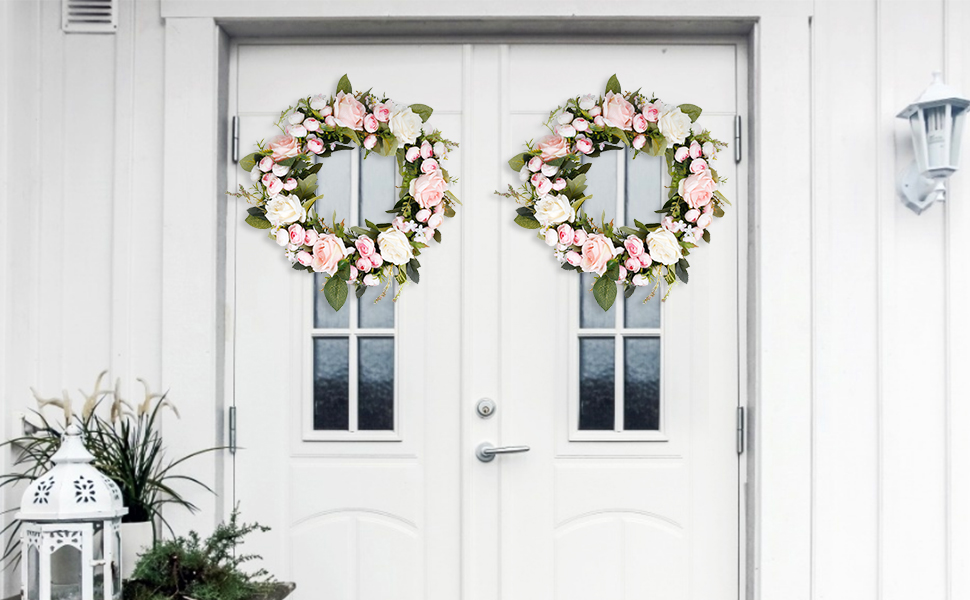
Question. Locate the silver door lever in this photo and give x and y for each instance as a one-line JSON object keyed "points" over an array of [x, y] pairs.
{"points": [[486, 451]]}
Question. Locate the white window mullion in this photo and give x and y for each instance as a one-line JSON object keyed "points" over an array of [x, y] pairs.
{"points": [[352, 373], [618, 385]]}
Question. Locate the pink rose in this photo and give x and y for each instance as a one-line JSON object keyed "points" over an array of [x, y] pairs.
{"points": [[552, 147], [695, 149], [314, 145], [266, 164], [428, 189], [697, 189], [580, 124], [310, 237], [330, 121], [535, 164], [283, 147], [559, 184], [651, 112], [565, 234], [632, 264], [273, 184], [326, 111], [429, 165], [645, 260], [348, 111], [697, 165], [297, 234], [376, 260], [542, 184], [280, 170], [573, 258], [639, 123], [363, 264], [670, 225], [579, 237], [400, 224], [640, 280], [708, 209], [327, 254], [639, 141], [597, 252], [599, 121], [633, 245], [617, 111], [549, 170], [296, 130], [427, 150], [370, 123], [436, 220], [622, 274], [412, 154], [364, 245], [692, 215], [353, 272], [423, 215], [371, 280], [370, 141], [311, 124], [595, 111], [382, 112], [566, 131], [681, 154], [704, 221], [290, 184], [584, 145], [304, 258]]}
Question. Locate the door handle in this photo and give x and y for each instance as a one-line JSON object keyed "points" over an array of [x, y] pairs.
{"points": [[486, 452]]}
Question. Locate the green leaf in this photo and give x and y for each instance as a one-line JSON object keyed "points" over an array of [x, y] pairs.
{"points": [[344, 85], [721, 197], [349, 133], [437, 235], [682, 265], [360, 291], [413, 272], [288, 162], [657, 145], [575, 205], [628, 231], [613, 85], [249, 161], [388, 146], [422, 110], [718, 211], [309, 203], [449, 212], [518, 161], [691, 111], [527, 222], [629, 291], [604, 290], [583, 168], [335, 290], [707, 236], [314, 168], [612, 270], [258, 222]]}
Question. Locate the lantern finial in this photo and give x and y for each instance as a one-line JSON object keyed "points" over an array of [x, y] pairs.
{"points": [[72, 448]]}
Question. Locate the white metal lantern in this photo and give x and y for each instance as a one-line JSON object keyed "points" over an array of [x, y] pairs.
{"points": [[70, 534], [936, 120]]}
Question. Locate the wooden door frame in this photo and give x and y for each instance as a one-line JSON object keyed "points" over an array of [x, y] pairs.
{"points": [[776, 338]]}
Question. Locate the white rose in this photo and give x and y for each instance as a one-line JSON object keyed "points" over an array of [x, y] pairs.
{"points": [[295, 118], [588, 101], [439, 150], [664, 247], [318, 102], [285, 209], [553, 210], [565, 118], [405, 125], [395, 247], [674, 124]]}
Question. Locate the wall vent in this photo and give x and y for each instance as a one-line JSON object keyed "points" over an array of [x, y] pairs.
{"points": [[89, 16]]}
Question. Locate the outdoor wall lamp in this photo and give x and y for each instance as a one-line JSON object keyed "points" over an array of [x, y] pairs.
{"points": [[936, 119]]}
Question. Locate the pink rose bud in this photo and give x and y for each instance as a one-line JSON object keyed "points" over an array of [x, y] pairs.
{"points": [[326, 111], [330, 121], [363, 264], [370, 124], [370, 141], [622, 274], [697, 165], [651, 112], [543, 185], [429, 165], [695, 149], [296, 130], [584, 145], [427, 150], [303, 257], [549, 170], [599, 121], [423, 215], [436, 220], [535, 164], [440, 150], [596, 111], [311, 124], [681, 154], [412, 154], [274, 186], [353, 273], [640, 280], [670, 225], [551, 237], [314, 145], [290, 184], [565, 118], [280, 170], [709, 208], [295, 118], [559, 184], [399, 224], [376, 260], [708, 149], [382, 112], [645, 260], [317, 102], [579, 237], [566, 131], [297, 234], [266, 164], [639, 123], [633, 245], [639, 141], [704, 221], [692, 215], [439, 208], [580, 124], [311, 237], [632, 264], [565, 234], [254, 174], [371, 280], [282, 237], [573, 258], [364, 245]]}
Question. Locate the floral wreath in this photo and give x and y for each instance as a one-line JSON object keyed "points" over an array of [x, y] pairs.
{"points": [[284, 175], [554, 183]]}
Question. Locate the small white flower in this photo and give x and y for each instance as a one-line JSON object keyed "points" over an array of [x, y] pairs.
{"points": [[560, 256]]}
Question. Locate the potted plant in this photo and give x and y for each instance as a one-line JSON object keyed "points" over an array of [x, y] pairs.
{"points": [[127, 447]]}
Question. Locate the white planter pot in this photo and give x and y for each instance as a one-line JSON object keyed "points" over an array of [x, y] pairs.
{"points": [[135, 538]]}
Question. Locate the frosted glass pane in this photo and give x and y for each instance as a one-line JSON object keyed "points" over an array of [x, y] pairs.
{"points": [[375, 384], [640, 315], [379, 315], [641, 391], [591, 316], [331, 389], [596, 383], [377, 191], [324, 316], [644, 187], [66, 574], [33, 573], [601, 182], [333, 181]]}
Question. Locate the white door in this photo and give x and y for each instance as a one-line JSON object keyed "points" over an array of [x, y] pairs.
{"points": [[358, 429]]}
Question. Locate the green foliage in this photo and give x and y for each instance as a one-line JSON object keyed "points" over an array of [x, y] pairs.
{"points": [[210, 569], [613, 85], [335, 290], [527, 221], [258, 221], [691, 111], [344, 85], [422, 110], [604, 290]]}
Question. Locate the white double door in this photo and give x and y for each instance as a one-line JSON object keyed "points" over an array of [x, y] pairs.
{"points": [[358, 430]]}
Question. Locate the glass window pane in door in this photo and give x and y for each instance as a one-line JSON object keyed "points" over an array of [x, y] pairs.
{"points": [[377, 191], [324, 316], [641, 386], [601, 184], [591, 315], [597, 405], [331, 383], [375, 383], [378, 315], [639, 315]]}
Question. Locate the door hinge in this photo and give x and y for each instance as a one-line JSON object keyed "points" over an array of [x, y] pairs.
{"points": [[232, 430], [741, 429], [737, 138], [235, 139]]}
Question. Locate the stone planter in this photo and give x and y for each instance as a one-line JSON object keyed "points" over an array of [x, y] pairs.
{"points": [[135, 539]]}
